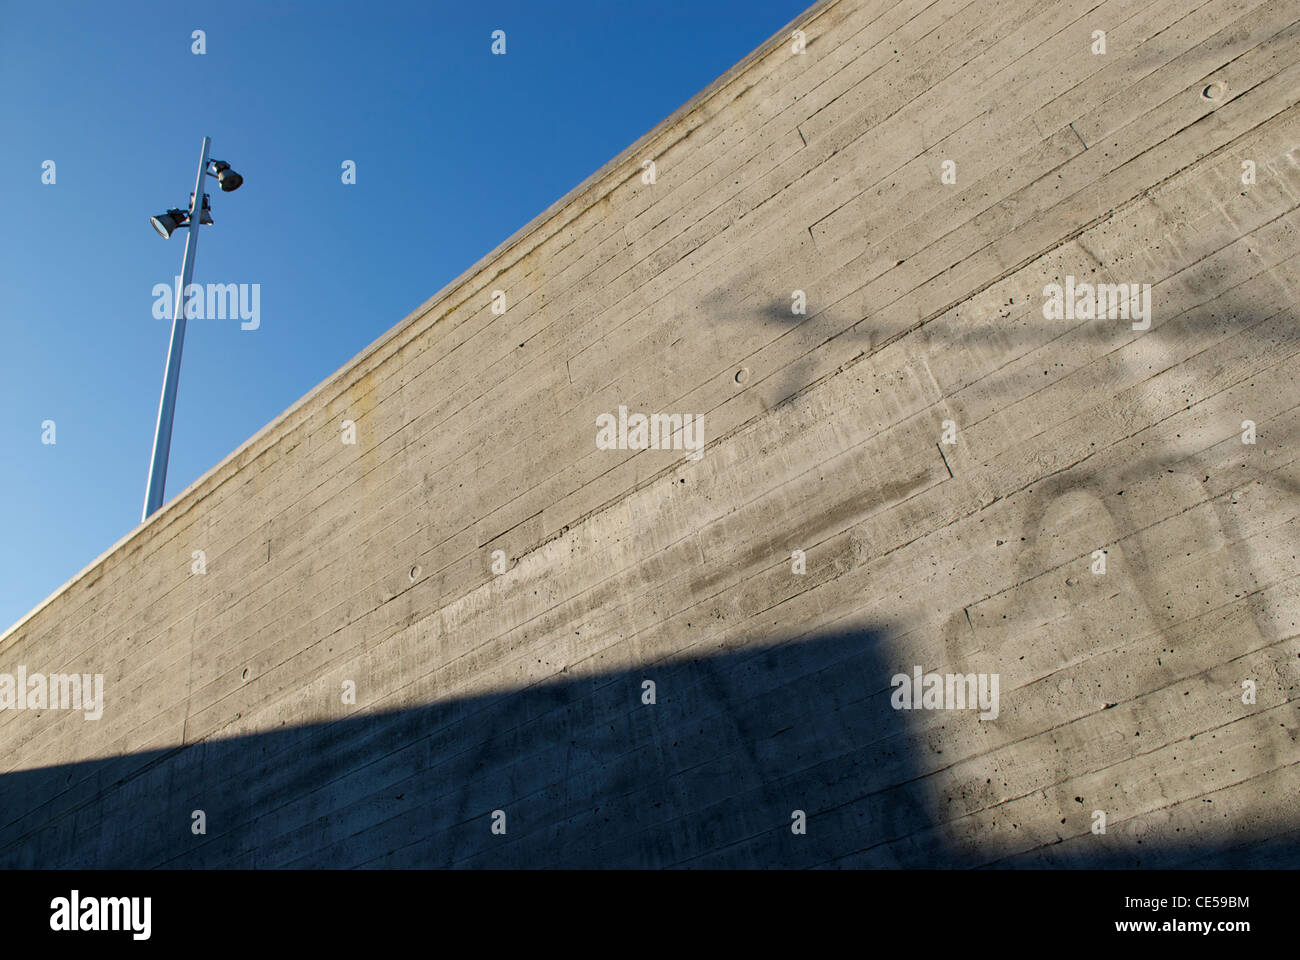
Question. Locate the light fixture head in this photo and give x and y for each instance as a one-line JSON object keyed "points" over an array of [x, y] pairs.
{"points": [[205, 212], [169, 222], [227, 178]]}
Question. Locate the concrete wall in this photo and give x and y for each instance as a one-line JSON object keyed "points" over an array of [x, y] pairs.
{"points": [[522, 692]]}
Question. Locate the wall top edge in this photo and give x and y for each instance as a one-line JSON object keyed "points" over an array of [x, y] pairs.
{"points": [[400, 333]]}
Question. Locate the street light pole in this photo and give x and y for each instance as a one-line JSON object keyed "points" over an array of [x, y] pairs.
{"points": [[162, 438]]}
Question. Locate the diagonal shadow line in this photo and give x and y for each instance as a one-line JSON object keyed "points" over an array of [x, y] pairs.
{"points": [[587, 774]]}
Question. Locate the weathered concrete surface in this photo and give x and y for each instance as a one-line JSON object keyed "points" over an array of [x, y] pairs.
{"points": [[522, 692]]}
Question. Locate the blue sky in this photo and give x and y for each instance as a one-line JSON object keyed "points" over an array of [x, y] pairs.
{"points": [[455, 149]]}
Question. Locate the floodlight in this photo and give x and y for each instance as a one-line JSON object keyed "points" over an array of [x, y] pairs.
{"points": [[205, 213], [227, 178], [167, 223]]}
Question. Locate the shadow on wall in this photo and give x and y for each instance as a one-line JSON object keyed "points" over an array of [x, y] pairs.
{"points": [[586, 773]]}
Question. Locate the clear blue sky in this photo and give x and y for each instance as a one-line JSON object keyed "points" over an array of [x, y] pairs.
{"points": [[455, 150]]}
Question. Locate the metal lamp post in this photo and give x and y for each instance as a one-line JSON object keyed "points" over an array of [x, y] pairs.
{"points": [[165, 224]]}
